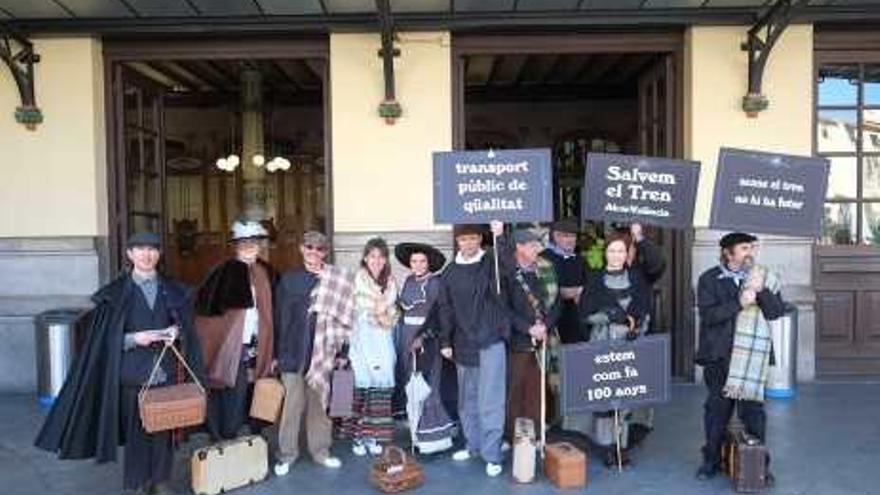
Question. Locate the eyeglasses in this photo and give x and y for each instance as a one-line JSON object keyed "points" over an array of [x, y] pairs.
{"points": [[312, 247]]}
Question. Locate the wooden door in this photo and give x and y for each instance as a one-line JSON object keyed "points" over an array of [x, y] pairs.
{"points": [[137, 171], [673, 302]]}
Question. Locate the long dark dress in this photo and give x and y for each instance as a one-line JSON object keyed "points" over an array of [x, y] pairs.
{"points": [[418, 300]]}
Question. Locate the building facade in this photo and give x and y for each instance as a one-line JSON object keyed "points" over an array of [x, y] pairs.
{"points": [[136, 109]]}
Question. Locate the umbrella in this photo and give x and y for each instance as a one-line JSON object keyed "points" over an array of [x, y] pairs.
{"points": [[417, 391]]}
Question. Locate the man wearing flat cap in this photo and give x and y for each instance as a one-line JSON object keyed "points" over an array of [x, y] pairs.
{"points": [[530, 290], [737, 299], [234, 323], [571, 274], [475, 325], [134, 316]]}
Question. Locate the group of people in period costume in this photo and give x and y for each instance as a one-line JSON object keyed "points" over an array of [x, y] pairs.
{"points": [[468, 331]]}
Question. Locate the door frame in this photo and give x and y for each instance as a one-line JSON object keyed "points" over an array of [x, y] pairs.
{"points": [[117, 51], [843, 269], [646, 41]]}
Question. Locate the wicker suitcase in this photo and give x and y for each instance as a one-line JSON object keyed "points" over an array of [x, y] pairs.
{"points": [[268, 399], [396, 472], [524, 450], [565, 465], [229, 465], [171, 406]]}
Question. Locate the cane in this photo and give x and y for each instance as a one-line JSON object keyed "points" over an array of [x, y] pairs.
{"points": [[617, 439], [495, 255], [543, 396]]}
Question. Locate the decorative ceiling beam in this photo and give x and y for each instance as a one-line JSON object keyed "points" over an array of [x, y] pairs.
{"points": [[761, 39], [389, 109], [18, 54]]}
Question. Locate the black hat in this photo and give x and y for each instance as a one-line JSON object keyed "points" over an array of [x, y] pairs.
{"points": [[461, 229], [525, 236], [734, 238], [150, 239], [404, 251], [566, 225]]}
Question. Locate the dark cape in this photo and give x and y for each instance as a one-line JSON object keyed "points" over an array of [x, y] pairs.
{"points": [[84, 421], [228, 286]]}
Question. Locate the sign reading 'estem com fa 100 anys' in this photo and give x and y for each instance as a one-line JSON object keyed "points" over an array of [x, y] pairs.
{"points": [[481, 186], [655, 191]]}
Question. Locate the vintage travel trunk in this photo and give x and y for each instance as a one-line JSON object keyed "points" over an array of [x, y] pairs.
{"points": [[744, 459], [229, 465], [565, 465], [268, 399]]}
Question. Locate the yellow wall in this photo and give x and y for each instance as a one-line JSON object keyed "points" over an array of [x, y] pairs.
{"points": [[53, 177], [382, 178], [715, 82]]}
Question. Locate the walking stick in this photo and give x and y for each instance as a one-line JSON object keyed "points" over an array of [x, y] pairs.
{"points": [[617, 439], [495, 255], [543, 396]]}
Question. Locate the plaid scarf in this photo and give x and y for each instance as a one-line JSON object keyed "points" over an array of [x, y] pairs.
{"points": [[752, 343], [333, 304], [380, 307], [548, 286]]}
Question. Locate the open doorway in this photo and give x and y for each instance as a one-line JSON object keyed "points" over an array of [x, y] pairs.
{"points": [[575, 94], [194, 127]]}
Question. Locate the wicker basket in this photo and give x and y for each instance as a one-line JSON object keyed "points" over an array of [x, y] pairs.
{"points": [[171, 406], [396, 472]]}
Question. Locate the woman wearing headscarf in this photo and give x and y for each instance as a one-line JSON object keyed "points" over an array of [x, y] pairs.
{"points": [[418, 343], [615, 304], [372, 353]]}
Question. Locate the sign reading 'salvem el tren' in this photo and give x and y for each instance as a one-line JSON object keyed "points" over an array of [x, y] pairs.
{"points": [[480, 186], [769, 193], [656, 191]]}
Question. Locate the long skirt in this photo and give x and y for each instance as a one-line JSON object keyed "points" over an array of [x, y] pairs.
{"points": [[371, 419]]}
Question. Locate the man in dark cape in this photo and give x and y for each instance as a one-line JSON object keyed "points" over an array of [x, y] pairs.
{"points": [[96, 410]]}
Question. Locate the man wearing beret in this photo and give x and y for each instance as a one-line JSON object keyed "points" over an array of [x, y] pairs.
{"points": [[134, 316], [571, 274], [736, 299]]}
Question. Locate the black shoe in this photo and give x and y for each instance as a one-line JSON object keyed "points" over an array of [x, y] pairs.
{"points": [[638, 433], [611, 458], [706, 472]]}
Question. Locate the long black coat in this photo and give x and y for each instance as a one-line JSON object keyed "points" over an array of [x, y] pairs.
{"points": [[84, 421], [596, 297], [718, 302]]}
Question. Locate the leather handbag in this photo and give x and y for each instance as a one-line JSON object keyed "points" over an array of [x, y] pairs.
{"points": [[268, 399], [341, 394]]}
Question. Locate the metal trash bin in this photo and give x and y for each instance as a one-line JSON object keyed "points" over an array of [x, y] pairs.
{"points": [[56, 348], [783, 375]]}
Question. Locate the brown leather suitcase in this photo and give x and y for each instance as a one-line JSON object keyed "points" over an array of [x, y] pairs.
{"points": [[341, 394], [268, 399], [744, 459], [565, 465], [229, 465]]}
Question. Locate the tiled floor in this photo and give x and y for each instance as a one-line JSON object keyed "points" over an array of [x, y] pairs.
{"points": [[825, 441]]}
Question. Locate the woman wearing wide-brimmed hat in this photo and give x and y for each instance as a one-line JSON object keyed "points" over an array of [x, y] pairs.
{"points": [[234, 324], [417, 342]]}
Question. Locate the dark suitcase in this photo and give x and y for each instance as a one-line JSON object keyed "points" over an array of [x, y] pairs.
{"points": [[744, 459]]}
